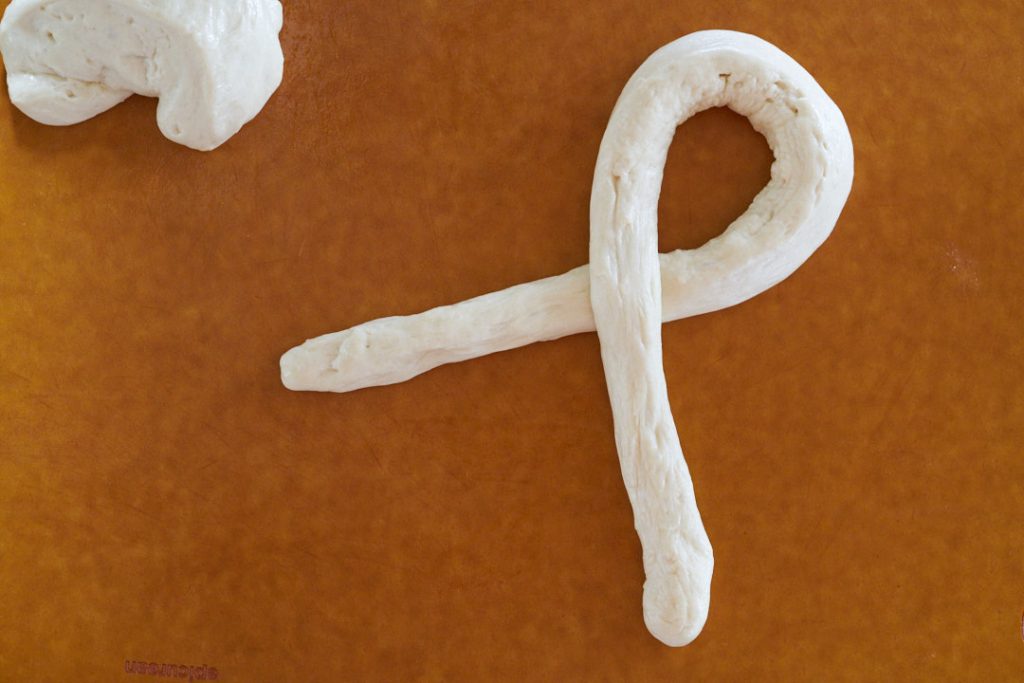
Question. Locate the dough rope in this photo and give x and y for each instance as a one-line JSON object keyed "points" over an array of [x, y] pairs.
{"points": [[628, 289]]}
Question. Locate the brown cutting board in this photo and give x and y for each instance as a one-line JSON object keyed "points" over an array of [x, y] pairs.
{"points": [[854, 434]]}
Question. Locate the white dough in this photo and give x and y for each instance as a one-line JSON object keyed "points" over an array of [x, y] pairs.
{"points": [[212, 63], [628, 289], [775, 235]]}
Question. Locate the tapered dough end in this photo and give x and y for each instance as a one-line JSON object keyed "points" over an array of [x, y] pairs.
{"points": [[339, 362], [673, 633], [677, 597], [290, 378], [303, 367], [670, 629]]}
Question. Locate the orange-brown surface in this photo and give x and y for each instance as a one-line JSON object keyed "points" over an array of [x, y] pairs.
{"points": [[854, 434]]}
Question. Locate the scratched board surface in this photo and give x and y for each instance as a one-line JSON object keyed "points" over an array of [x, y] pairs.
{"points": [[854, 434]]}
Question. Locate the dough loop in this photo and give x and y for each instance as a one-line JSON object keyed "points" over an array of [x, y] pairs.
{"points": [[628, 289]]}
